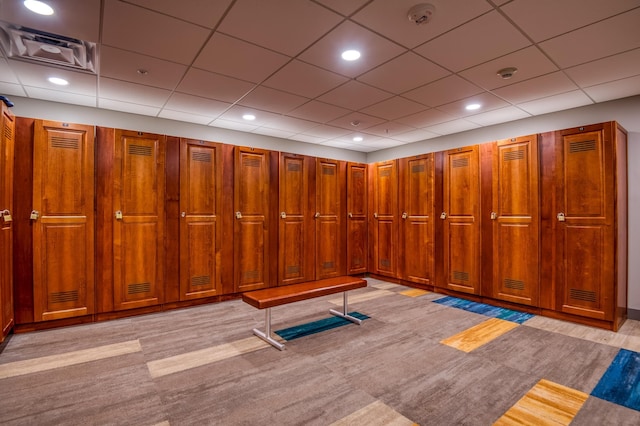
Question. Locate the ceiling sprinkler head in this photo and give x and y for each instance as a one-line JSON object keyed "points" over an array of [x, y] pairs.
{"points": [[355, 123], [507, 73], [421, 13]]}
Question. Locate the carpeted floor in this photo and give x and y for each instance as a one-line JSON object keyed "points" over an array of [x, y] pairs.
{"points": [[418, 357]]}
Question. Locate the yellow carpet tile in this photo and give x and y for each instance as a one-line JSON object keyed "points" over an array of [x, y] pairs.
{"points": [[414, 292], [479, 335]]}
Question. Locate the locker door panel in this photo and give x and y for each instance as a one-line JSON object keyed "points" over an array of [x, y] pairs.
{"points": [[139, 225], [251, 204], [516, 223], [328, 205], [461, 201], [200, 233], [7, 143], [357, 238], [63, 233], [385, 226]]}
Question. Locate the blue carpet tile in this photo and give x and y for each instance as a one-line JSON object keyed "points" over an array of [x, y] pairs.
{"points": [[484, 309], [317, 326], [620, 384]]}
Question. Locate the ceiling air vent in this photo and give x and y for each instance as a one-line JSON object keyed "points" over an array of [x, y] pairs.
{"points": [[34, 45]]}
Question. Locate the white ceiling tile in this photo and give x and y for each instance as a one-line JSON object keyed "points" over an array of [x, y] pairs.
{"points": [[11, 89], [390, 129], [123, 65], [556, 103], [605, 38], [497, 116], [339, 144], [236, 112], [286, 26], [272, 100], [277, 133], [471, 44], [530, 63], [366, 138], [382, 143], [343, 7], [213, 86], [443, 91], [318, 111], [60, 96], [184, 116], [543, 19], [6, 73], [354, 147], [390, 18], [326, 132], [357, 120], [536, 88], [393, 108], [76, 19], [403, 73], [415, 136], [290, 124], [196, 105], [354, 95], [36, 76], [140, 30], [486, 100], [612, 68], [454, 126], [374, 49], [206, 13], [233, 125], [243, 60], [307, 138], [615, 89], [425, 118], [133, 93], [303, 79], [128, 107]]}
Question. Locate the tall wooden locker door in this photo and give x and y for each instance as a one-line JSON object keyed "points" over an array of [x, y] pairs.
{"points": [[357, 232], [460, 219], [416, 223], [296, 229], [251, 226], [200, 220], [384, 209], [515, 220], [63, 220], [7, 142], [330, 244], [585, 221], [138, 230]]}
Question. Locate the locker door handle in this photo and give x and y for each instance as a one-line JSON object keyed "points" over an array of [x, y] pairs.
{"points": [[405, 215], [375, 215], [238, 215], [494, 215], [283, 215], [119, 215], [561, 217], [317, 215], [350, 214], [443, 215], [34, 215], [6, 216]]}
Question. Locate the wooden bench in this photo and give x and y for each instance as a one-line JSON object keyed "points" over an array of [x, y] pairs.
{"points": [[276, 296]]}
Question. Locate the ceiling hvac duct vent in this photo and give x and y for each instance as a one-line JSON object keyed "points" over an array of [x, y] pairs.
{"points": [[34, 45]]}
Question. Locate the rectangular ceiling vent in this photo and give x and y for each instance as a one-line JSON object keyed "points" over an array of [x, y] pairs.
{"points": [[33, 45]]}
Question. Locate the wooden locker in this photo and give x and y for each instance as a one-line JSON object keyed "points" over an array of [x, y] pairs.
{"points": [[588, 222], [515, 220], [416, 223], [330, 247], [460, 220], [138, 220], [296, 228], [357, 231], [200, 219], [251, 226], [7, 143], [384, 222], [63, 220]]}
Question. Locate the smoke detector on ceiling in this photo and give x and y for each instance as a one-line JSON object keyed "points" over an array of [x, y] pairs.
{"points": [[421, 13], [507, 73]]}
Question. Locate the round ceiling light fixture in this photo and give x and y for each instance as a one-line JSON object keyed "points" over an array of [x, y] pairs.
{"points": [[58, 81], [421, 13], [39, 7], [249, 117], [472, 107], [358, 138], [507, 73], [350, 55]]}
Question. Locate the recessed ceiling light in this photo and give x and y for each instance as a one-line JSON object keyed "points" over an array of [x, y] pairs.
{"points": [[472, 107], [350, 55], [249, 117], [58, 81], [358, 138], [38, 7]]}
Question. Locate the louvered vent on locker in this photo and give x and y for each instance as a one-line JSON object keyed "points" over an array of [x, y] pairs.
{"points": [[514, 155], [251, 275], [328, 171], [328, 265], [584, 295], [461, 276], [417, 168], [251, 162], [385, 262], [139, 150], [460, 162], [8, 132], [293, 167], [63, 296], [384, 173], [582, 146], [61, 142], [203, 157], [138, 288], [200, 280], [359, 174], [293, 269], [513, 284]]}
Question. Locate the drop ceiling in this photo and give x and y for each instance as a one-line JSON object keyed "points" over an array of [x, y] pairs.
{"points": [[210, 62]]}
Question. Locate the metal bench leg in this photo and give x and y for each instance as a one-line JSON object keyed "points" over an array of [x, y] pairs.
{"points": [[345, 311], [266, 335]]}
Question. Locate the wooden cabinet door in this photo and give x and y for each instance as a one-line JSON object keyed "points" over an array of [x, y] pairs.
{"points": [[251, 226], [7, 142], [585, 222], [515, 217], [461, 219], [63, 230], [357, 233], [329, 206], [138, 231], [416, 219], [385, 220], [296, 230], [200, 228]]}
